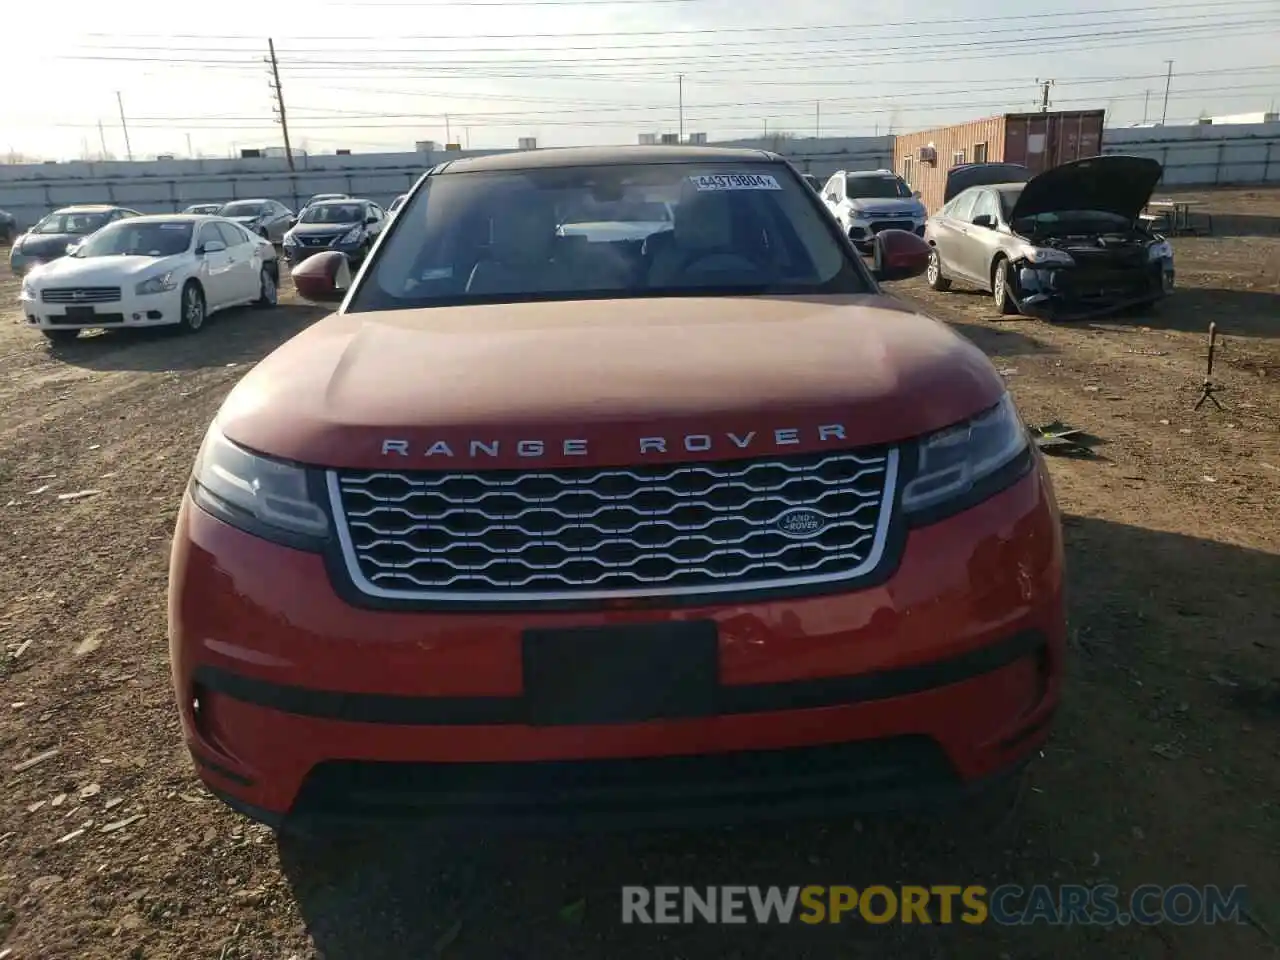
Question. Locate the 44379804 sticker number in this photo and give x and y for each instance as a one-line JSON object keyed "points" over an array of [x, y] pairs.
{"points": [[735, 181]]}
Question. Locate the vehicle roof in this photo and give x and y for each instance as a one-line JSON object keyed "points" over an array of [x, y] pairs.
{"points": [[330, 196], [89, 208], [248, 200], [341, 200], [602, 156], [871, 173], [185, 217]]}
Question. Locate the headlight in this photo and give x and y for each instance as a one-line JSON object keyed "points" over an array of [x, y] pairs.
{"points": [[954, 463], [352, 236], [262, 496], [161, 284], [1047, 255], [28, 291], [290, 240], [1160, 251]]}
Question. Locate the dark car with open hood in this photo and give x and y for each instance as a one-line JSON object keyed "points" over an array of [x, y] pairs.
{"points": [[50, 237], [1065, 245]]}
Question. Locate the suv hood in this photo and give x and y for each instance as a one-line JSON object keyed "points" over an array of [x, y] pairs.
{"points": [[582, 383], [1112, 184], [887, 206]]}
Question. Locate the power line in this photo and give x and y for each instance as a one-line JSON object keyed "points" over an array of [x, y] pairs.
{"points": [[889, 105], [575, 109], [1153, 28], [860, 31]]}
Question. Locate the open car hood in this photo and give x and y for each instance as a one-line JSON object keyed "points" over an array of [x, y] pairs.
{"points": [[968, 175], [1112, 184]]}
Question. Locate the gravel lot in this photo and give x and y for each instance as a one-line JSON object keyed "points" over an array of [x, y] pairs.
{"points": [[1165, 767]]}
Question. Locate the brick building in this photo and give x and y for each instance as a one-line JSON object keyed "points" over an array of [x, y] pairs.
{"points": [[1037, 140]]}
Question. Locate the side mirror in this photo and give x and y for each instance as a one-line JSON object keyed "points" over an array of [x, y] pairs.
{"points": [[212, 246], [324, 278], [899, 255], [833, 198], [984, 220], [370, 219], [293, 220], [72, 248], [915, 194]]}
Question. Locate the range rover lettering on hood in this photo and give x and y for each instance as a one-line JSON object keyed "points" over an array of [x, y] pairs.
{"points": [[691, 442]]}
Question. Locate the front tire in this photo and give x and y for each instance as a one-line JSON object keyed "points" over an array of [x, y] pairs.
{"points": [[60, 336], [1000, 288], [934, 273], [193, 308], [268, 290]]}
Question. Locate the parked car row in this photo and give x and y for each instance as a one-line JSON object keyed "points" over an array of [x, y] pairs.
{"points": [[326, 221]]}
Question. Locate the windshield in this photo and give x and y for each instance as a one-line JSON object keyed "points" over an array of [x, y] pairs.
{"points": [[74, 223], [204, 208], [879, 188], [162, 238], [244, 208], [501, 237], [333, 213], [326, 196]]}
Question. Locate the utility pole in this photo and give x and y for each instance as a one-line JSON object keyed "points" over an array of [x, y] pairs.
{"points": [[102, 139], [124, 125], [817, 119], [1044, 94], [1146, 99], [448, 135], [190, 152], [680, 84], [1168, 79], [279, 92]]}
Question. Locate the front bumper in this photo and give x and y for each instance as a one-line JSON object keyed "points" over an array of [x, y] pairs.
{"points": [[294, 702], [131, 310], [296, 253], [1062, 293]]}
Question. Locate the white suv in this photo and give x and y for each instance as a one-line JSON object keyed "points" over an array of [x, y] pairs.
{"points": [[868, 201]]}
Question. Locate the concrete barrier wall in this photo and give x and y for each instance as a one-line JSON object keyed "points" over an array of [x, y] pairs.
{"points": [[1204, 155], [1191, 155], [30, 191]]}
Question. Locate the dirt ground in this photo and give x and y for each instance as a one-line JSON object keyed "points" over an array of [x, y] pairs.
{"points": [[1165, 766]]}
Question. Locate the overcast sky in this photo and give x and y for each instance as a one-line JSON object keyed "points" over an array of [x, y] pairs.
{"points": [[371, 76]]}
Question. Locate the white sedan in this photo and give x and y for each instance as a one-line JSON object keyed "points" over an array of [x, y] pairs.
{"points": [[150, 272]]}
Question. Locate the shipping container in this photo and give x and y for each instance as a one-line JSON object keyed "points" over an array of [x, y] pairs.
{"points": [[1042, 141], [1037, 140]]}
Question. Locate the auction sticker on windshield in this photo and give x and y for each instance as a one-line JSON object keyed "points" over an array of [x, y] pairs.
{"points": [[735, 181]]}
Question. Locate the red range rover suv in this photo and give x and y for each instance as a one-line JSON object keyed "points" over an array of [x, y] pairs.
{"points": [[614, 491]]}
